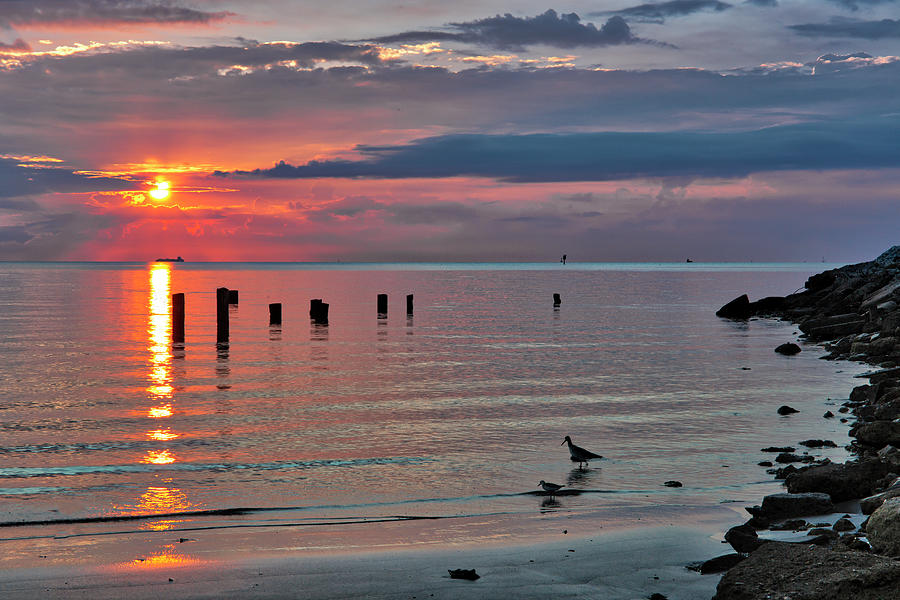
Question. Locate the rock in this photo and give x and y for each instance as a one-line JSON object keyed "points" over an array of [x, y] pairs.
{"points": [[469, 574], [820, 281], [786, 410], [870, 504], [843, 524], [657, 596], [787, 457], [788, 349], [846, 481], [765, 463], [784, 472], [778, 449], [739, 308], [855, 541], [720, 563], [889, 257], [784, 506], [828, 414], [768, 305], [779, 570], [829, 534], [672, 484], [790, 525], [743, 539], [818, 443], [883, 528], [887, 411], [878, 433]]}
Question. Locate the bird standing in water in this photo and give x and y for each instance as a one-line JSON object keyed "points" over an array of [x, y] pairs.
{"points": [[550, 487], [579, 454]]}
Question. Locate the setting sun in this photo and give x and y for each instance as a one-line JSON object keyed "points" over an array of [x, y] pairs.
{"points": [[161, 192]]}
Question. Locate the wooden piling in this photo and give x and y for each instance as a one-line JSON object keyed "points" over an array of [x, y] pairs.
{"points": [[232, 296], [222, 315], [382, 304], [318, 311], [178, 318], [275, 313], [321, 317], [409, 304], [556, 300]]}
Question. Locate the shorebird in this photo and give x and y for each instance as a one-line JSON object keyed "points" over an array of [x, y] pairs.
{"points": [[550, 487], [579, 454]]}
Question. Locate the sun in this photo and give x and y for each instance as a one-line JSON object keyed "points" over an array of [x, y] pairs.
{"points": [[161, 192]]}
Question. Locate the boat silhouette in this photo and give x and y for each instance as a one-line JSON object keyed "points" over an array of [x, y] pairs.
{"points": [[179, 259]]}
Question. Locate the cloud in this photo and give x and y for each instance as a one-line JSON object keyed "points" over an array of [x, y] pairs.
{"points": [[508, 32], [856, 4], [617, 156], [31, 13], [16, 47], [853, 28], [26, 180], [659, 12]]}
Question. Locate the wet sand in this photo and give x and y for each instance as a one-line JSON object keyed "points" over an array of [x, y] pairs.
{"points": [[626, 563]]}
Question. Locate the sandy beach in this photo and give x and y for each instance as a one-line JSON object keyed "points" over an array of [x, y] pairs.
{"points": [[283, 563]]}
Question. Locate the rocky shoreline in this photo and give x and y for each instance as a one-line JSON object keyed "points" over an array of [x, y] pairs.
{"points": [[854, 312]]}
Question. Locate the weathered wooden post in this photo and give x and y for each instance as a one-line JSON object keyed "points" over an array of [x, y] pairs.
{"points": [[556, 300], [275, 313], [178, 318], [222, 315], [409, 304], [382, 305], [232, 296], [318, 311]]}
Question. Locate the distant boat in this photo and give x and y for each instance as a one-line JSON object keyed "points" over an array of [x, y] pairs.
{"points": [[179, 259], [688, 260]]}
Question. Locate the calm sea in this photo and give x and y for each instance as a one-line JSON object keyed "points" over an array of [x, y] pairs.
{"points": [[455, 411]]}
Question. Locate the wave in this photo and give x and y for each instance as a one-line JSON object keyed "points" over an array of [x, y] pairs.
{"points": [[25, 472]]}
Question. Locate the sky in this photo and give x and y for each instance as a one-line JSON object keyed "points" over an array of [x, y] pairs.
{"points": [[384, 130]]}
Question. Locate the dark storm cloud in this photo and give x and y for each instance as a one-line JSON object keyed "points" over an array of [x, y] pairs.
{"points": [[853, 28], [615, 156], [25, 181], [768, 3], [659, 12], [100, 12], [508, 32], [19, 45]]}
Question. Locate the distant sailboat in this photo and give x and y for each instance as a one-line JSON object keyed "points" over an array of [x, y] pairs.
{"points": [[179, 259], [688, 260]]}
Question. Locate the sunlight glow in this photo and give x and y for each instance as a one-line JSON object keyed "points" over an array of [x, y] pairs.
{"points": [[162, 435], [160, 412], [161, 192], [159, 457]]}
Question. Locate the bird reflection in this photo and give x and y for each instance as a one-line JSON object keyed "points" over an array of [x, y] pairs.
{"points": [[579, 476], [549, 504]]}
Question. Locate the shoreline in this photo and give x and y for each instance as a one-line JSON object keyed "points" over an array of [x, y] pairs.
{"points": [[616, 563], [854, 313]]}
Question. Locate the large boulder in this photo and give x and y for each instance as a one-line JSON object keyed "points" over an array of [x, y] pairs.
{"points": [[846, 481], [743, 538], [779, 570], [878, 434], [785, 506], [883, 528], [739, 308]]}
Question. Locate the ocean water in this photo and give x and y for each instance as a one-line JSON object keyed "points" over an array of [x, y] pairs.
{"points": [[454, 412]]}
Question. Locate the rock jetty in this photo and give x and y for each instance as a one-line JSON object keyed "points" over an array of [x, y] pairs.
{"points": [[854, 313]]}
